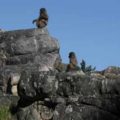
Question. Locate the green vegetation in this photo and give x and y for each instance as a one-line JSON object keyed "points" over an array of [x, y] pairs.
{"points": [[5, 113], [86, 68]]}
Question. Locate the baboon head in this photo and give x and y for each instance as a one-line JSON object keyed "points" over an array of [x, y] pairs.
{"points": [[72, 58], [42, 10]]}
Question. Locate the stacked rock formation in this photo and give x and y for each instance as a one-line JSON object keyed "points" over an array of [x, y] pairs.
{"points": [[32, 49], [44, 92]]}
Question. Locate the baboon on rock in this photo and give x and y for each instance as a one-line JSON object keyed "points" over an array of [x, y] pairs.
{"points": [[73, 64], [42, 20]]}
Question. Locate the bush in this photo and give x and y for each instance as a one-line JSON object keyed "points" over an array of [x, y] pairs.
{"points": [[86, 68]]}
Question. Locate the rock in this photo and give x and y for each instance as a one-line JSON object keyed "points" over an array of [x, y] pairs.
{"points": [[33, 69], [15, 79], [21, 42], [14, 90], [77, 96], [1, 31], [112, 70], [46, 114], [43, 82], [33, 112], [8, 100], [28, 50]]}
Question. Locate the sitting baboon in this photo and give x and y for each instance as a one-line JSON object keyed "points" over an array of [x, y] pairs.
{"points": [[73, 64], [42, 20]]}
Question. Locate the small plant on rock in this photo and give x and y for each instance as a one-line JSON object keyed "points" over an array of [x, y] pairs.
{"points": [[86, 68]]}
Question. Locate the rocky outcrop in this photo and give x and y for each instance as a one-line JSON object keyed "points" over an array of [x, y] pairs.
{"points": [[31, 49], [28, 46], [66, 96], [45, 92]]}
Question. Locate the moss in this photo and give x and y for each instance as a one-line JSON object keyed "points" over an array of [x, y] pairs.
{"points": [[5, 113]]}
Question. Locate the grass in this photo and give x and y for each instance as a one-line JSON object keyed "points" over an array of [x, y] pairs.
{"points": [[5, 113]]}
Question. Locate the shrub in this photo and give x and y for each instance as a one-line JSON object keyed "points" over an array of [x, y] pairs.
{"points": [[86, 68]]}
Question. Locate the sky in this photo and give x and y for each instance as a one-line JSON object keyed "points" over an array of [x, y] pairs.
{"points": [[90, 28]]}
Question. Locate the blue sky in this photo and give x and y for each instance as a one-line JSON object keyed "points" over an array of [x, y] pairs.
{"points": [[90, 28]]}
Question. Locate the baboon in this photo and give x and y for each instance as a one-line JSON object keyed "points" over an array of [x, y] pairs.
{"points": [[73, 64], [42, 20]]}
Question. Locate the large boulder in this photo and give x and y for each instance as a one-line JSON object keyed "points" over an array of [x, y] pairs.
{"points": [[23, 46], [29, 49]]}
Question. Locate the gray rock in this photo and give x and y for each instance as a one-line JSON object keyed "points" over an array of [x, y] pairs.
{"points": [[46, 93], [77, 97], [36, 85], [22, 42], [30, 49], [8, 100]]}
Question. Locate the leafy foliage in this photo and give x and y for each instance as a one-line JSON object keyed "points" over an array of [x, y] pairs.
{"points": [[86, 68]]}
